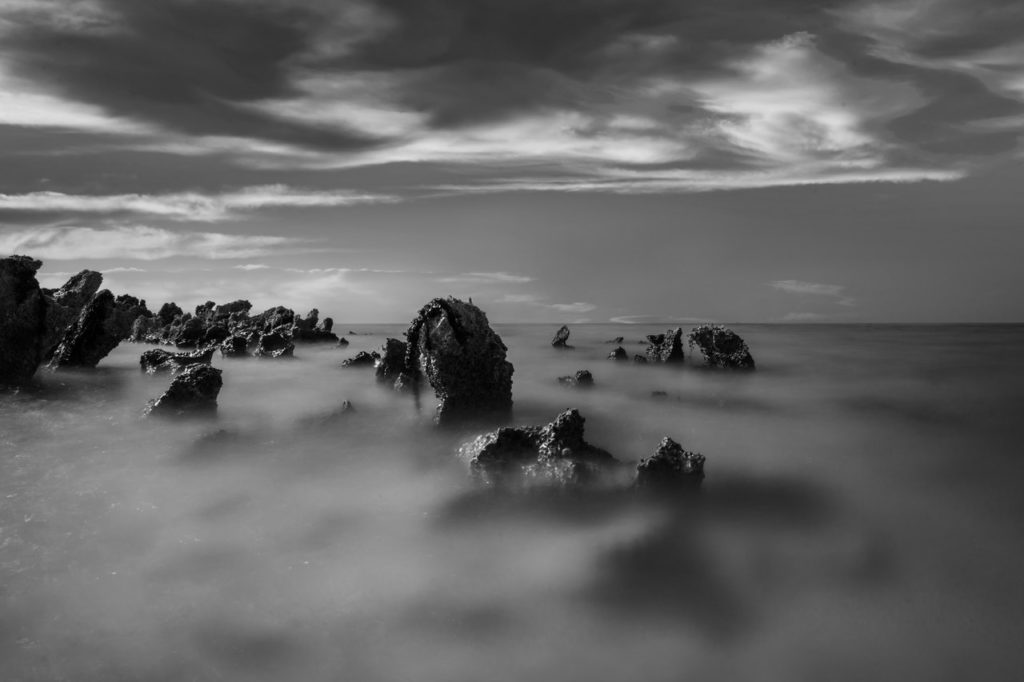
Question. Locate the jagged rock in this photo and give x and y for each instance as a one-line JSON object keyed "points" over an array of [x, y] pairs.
{"points": [[555, 453], [308, 329], [168, 313], [272, 318], [452, 346], [667, 347], [362, 359], [274, 345], [214, 335], [326, 325], [721, 347], [561, 338], [23, 319], [226, 310], [582, 379], [640, 359], [617, 340], [100, 327], [343, 342], [309, 322], [158, 360], [193, 391], [235, 346], [144, 329], [392, 361], [65, 305], [671, 465], [188, 332], [618, 354]]}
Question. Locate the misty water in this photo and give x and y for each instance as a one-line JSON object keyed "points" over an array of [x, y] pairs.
{"points": [[861, 519]]}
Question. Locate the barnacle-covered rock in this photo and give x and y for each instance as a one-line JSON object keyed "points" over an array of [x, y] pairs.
{"points": [[721, 347]]}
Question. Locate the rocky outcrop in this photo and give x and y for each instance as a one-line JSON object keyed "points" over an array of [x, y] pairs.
{"points": [[192, 392], [103, 323], [168, 313], [65, 305], [23, 320], [235, 346], [617, 340], [274, 345], [159, 360], [721, 347], [362, 359], [554, 453], [670, 466], [343, 342], [392, 360], [561, 338], [582, 379], [309, 329], [618, 354], [452, 347], [667, 347]]}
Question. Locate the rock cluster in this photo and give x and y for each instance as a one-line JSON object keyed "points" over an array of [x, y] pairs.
{"points": [[192, 392], [392, 361], [101, 325], [667, 347], [671, 465], [160, 360], [362, 359], [582, 379], [721, 347]]}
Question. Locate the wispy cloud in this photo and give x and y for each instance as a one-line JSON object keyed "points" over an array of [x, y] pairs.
{"points": [[578, 307], [485, 278], [834, 291], [658, 319], [138, 242], [188, 206]]}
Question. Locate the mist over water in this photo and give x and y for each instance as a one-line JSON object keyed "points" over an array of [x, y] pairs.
{"points": [[860, 520]]}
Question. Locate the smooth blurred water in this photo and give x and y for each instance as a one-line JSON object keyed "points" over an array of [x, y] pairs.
{"points": [[860, 520]]}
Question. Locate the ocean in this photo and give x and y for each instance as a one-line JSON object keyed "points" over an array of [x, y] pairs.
{"points": [[861, 519]]}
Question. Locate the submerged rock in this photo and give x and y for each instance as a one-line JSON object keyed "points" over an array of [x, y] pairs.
{"points": [[618, 354], [561, 338], [193, 391], [274, 345], [23, 319], [452, 346], [554, 453], [671, 465], [362, 359], [392, 361], [721, 347], [667, 347], [582, 379]]}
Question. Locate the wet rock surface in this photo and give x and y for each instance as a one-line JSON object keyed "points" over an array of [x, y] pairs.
{"points": [[452, 347], [362, 359], [561, 339], [670, 466], [721, 347], [160, 360], [23, 313], [65, 305], [392, 360], [274, 345], [554, 453], [666, 348], [102, 324], [192, 392], [581, 379]]}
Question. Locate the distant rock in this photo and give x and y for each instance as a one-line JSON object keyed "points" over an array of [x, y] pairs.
{"points": [[362, 359], [561, 338], [671, 465], [274, 345], [582, 379], [392, 360], [721, 347], [192, 392], [618, 354], [617, 340], [23, 313], [666, 348], [555, 453], [451, 345], [309, 330], [640, 359], [343, 342]]}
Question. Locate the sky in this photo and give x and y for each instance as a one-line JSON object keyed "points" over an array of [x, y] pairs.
{"points": [[634, 161]]}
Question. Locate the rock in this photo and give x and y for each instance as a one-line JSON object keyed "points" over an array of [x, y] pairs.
{"points": [[392, 361], [168, 313], [671, 465], [100, 327], [561, 338], [226, 310], [582, 379], [144, 329], [65, 305], [235, 346], [640, 359], [555, 453], [343, 342], [452, 346], [327, 325], [274, 345], [272, 318], [214, 335], [618, 354], [617, 340], [667, 347], [23, 320], [193, 391], [362, 359], [721, 347], [158, 360], [188, 332], [659, 394]]}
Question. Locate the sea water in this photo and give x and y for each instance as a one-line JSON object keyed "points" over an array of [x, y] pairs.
{"points": [[861, 519]]}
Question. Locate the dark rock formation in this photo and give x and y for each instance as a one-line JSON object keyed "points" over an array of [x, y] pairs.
{"points": [[618, 354], [617, 340], [193, 391], [23, 320], [214, 335], [168, 313], [274, 345], [159, 360], [582, 379], [452, 346], [721, 347], [561, 338], [392, 361], [671, 465], [65, 305], [309, 329], [326, 325], [555, 453], [235, 346], [640, 359], [103, 323], [362, 359], [187, 332], [343, 342], [667, 347]]}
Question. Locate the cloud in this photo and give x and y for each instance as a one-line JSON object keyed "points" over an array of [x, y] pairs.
{"points": [[573, 307], [658, 319], [485, 278], [187, 206], [835, 291], [251, 266], [138, 242]]}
